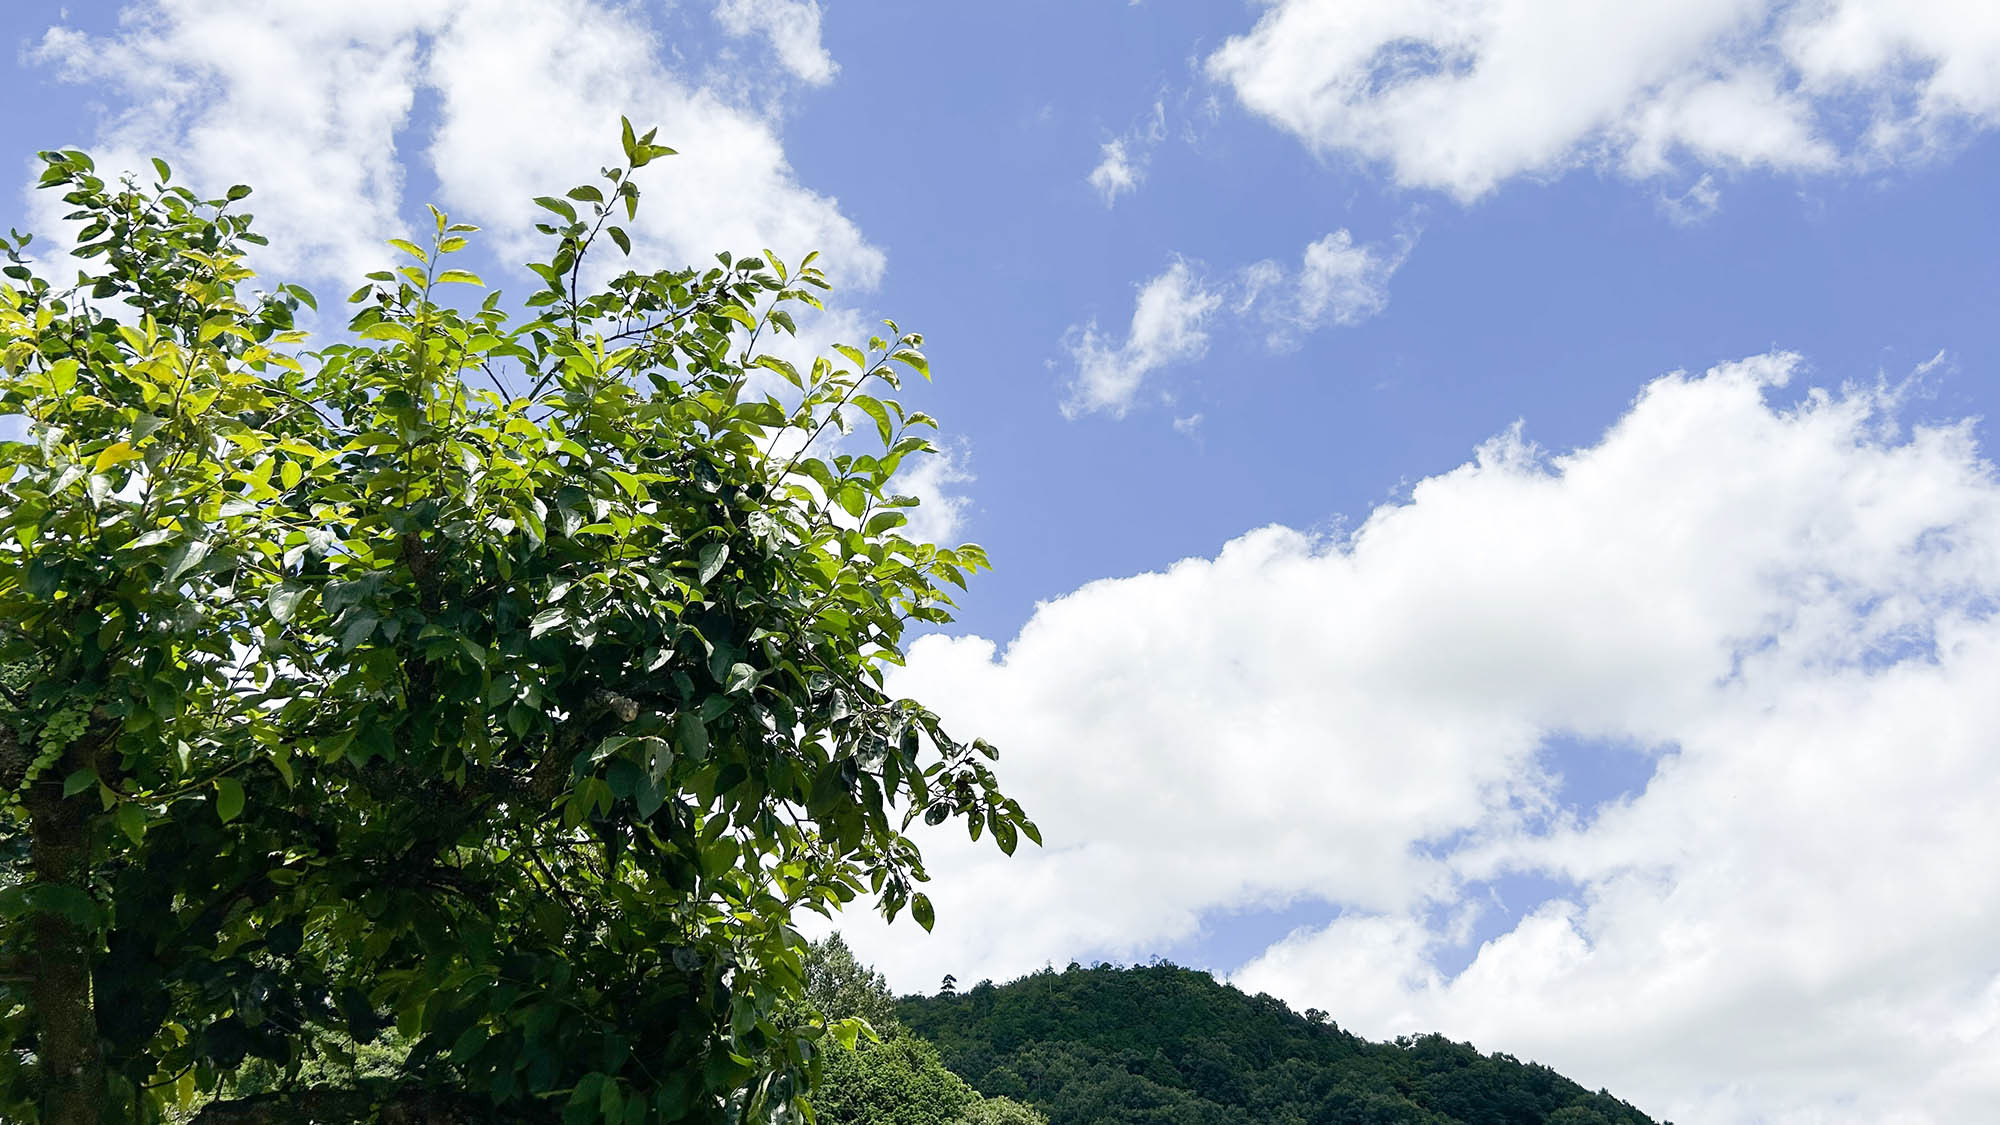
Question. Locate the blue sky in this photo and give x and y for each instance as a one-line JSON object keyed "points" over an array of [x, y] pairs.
{"points": [[1491, 505]]}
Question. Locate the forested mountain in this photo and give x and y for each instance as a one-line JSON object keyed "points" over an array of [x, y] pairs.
{"points": [[1171, 1045]]}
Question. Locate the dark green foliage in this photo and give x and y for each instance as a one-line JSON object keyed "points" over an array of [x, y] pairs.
{"points": [[1170, 1045], [508, 680]]}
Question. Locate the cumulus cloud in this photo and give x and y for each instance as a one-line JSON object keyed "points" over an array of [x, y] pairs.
{"points": [[939, 516], [792, 26], [1169, 325], [1460, 95], [310, 104], [1784, 602], [555, 72], [301, 101]]}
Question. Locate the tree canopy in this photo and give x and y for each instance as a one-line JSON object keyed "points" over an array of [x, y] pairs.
{"points": [[892, 1077], [498, 681]]}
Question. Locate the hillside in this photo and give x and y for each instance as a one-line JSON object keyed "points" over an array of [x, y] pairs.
{"points": [[1171, 1045]]}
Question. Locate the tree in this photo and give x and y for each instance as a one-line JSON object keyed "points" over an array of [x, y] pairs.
{"points": [[507, 681], [1001, 1111], [839, 987], [899, 1081], [891, 1077]]}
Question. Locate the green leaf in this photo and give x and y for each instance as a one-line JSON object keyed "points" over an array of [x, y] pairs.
{"points": [[461, 277], [283, 601], [773, 363], [165, 172], [874, 409], [240, 191], [62, 375], [619, 236], [712, 558], [132, 821], [690, 736], [852, 498], [659, 757], [360, 626], [884, 521], [228, 798], [586, 193], [410, 248], [547, 619], [79, 781], [185, 557], [388, 330], [115, 454], [560, 207], [920, 909], [468, 1043]]}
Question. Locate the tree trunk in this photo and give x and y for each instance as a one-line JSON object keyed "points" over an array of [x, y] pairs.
{"points": [[66, 1025]]}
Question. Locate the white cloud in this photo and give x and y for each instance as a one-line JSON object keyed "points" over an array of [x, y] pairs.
{"points": [[940, 514], [1693, 206], [1122, 160], [1115, 173], [1461, 95], [302, 102], [1169, 325], [793, 28], [559, 74], [1791, 604], [308, 103], [1337, 282]]}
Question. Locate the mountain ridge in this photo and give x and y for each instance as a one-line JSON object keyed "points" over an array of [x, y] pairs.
{"points": [[1170, 1045]]}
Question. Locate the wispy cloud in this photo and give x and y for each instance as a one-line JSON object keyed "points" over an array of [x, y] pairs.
{"points": [[1695, 205], [791, 26], [1338, 282], [1169, 325], [1123, 159]]}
